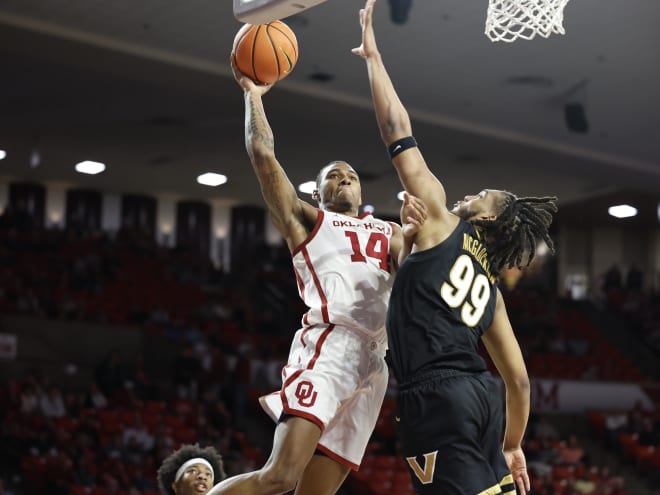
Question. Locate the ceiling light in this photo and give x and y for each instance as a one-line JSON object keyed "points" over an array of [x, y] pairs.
{"points": [[3, 154], [35, 158], [622, 211], [307, 187], [400, 195], [211, 179], [90, 167], [368, 208]]}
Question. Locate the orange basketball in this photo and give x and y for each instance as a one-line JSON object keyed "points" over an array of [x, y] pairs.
{"points": [[265, 53]]}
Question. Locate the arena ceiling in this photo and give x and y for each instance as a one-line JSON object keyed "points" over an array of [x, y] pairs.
{"points": [[146, 88]]}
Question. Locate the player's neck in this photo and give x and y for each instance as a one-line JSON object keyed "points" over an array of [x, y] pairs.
{"points": [[342, 210]]}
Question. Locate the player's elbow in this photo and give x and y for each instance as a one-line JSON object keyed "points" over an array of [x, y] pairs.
{"points": [[396, 126], [260, 153], [519, 383]]}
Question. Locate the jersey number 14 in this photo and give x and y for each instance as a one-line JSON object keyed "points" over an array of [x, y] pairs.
{"points": [[377, 247]]}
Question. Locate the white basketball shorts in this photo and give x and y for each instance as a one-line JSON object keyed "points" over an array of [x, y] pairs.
{"points": [[337, 378]]}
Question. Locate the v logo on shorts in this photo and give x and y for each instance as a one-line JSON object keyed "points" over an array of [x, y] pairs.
{"points": [[306, 394], [425, 475]]}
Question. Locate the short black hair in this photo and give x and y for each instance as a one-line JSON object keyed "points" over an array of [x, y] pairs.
{"points": [[172, 463], [514, 233]]}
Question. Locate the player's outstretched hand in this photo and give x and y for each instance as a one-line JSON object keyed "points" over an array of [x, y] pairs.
{"points": [[515, 459], [413, 215], [246, 83], [368, 46]]}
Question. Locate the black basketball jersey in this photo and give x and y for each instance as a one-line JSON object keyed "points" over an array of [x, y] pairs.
{"points": [[442, 301]]}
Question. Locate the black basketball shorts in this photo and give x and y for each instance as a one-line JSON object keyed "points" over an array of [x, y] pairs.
{"points": [[450, 426]]}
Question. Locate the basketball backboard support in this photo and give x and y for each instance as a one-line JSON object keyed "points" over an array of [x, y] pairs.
{"points": [[262, 11]]}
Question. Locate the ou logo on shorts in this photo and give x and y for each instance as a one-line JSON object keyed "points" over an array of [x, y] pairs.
{"points": [[306, 394]]}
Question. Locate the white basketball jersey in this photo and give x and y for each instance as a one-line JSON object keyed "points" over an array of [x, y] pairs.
{"points": [[345, 272]]}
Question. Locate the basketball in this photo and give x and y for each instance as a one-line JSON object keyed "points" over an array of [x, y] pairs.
{"points": [[266, 53]]}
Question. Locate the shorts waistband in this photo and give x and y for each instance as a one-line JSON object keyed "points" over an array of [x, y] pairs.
{"points": [[436, 375]]}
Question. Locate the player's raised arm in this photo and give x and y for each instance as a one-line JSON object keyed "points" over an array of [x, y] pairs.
{"points": [[395, 126], [286, 209]]}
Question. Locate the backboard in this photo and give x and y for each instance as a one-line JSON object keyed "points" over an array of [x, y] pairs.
{"points": [[263, 11]]}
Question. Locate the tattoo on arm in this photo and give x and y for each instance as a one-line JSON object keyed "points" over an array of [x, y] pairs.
{"points": [[271, 183], [276, 189], [258, 131]]}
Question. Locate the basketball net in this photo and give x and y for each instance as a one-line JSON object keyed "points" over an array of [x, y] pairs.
{"points": [[508, 20]]}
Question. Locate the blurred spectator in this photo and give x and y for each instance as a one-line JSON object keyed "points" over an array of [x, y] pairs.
{"points": [[144, 387], [606, 484], [541, 456], [616, 423], [648, 435], [571, 453], [29, 399], [51, 402], [544, 430], [137, 435], [94, 398], [583, 485], [636, 417]]}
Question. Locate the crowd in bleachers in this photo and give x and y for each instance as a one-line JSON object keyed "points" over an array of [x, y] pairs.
{"points": [[70, 442], [109, 437], [625, 295], [634, 436]]}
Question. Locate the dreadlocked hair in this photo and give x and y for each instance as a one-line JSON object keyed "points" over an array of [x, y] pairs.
{"points": [[173, 462], [514, 233]]}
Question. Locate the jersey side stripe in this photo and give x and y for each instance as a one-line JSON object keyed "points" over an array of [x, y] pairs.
{"points": [[317, 283], [312, 234], [297, 373]]}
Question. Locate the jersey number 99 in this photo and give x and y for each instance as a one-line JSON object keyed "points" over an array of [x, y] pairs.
{"points": [[463, 283]]}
